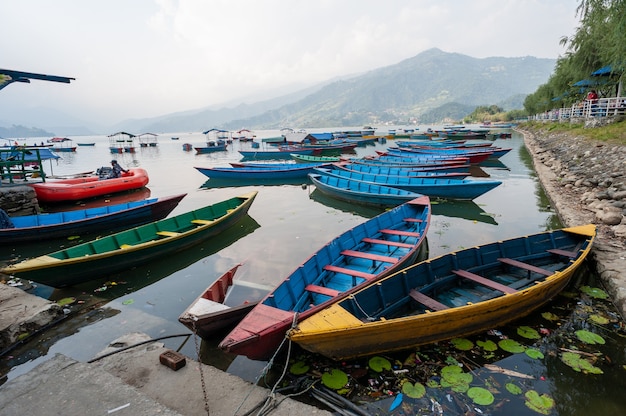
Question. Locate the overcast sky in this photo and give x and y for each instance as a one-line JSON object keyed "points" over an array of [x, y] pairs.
{"points": [[146, 58]]}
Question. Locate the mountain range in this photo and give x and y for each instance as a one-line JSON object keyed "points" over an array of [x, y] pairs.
{"points": [[431, 87]]}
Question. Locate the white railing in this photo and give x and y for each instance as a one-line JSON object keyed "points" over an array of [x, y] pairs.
{"points": [[602, 107]]}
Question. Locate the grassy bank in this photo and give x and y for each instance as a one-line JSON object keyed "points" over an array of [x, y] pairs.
{"points": [[613, 133]]}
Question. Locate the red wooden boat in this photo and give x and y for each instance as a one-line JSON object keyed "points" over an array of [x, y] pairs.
{"points": [[90, 186], [224, 303]]}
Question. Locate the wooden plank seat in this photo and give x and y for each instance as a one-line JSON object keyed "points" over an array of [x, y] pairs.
{"points": [[322, 290], [564, 253], [167, 233], [369, 256], [349, 272], [400, 232], [525, 266], [201, 222], [123, 246], [483, 281], [415, 220], [386, 242], [427, 301]]}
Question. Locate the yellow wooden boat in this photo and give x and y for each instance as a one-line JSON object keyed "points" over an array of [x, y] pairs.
{"points": [[453, 295]]}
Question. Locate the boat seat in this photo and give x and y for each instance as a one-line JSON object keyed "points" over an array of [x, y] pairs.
{"points": [[483, 281], [369, 256], [564, 253], [123, 246], [427, 301], [525, 266], [201, 222], [386, 242], [349, 272], [167, 233], [322, 290], [416, 220], [400, 232]]}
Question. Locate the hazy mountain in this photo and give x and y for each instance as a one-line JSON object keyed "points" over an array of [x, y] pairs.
{"points": [[428, 88]]}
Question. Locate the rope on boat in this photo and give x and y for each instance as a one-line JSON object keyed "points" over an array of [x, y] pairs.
{"points": [[270, 403]]}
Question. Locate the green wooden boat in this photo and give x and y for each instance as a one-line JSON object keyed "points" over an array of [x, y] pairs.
{"points": [[129, 248], [314, 159]]}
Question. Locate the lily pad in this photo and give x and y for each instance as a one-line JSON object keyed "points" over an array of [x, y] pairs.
{"points": [[533, 353], [513, 388], [299, 368], [415, 391], [481, 396], [453, 376], [488, 345], [510, 345], [599, 319], [589, 337], [579, 364], [462, 344], [66, 301], [528, 332], [550, 316], [594, 292], [541, 404], [335, 380], [379, 364]]}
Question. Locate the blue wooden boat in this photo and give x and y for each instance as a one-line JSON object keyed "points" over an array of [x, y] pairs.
{"points": [[84, 221], [281, 152], [433, 187], [287, 171], [356, 258], [414, 173], [454, 295], [212, 146], [416, 167], [361, 192], [129, 248]]}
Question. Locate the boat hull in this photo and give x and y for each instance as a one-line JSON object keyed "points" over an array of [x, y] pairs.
{"points": [[89, 187], [63, 224], [402, 321], [361, 192], [291, 171], [433, 187], [129, 248]]}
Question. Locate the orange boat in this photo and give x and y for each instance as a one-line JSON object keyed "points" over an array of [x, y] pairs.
{"points": [[89, 186]]}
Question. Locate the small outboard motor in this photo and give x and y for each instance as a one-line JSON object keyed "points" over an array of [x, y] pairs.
{"points": [[104, 172]]}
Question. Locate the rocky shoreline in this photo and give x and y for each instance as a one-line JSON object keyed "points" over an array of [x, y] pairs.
{"points": [[585, 181]]}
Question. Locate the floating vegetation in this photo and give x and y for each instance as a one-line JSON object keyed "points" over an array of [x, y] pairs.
{"points": [[462, 344], [528, 332], [415, 391], [379, 364], [589, 337], [542, 404], [480, 396], [335, 379], [580, 364], [473, 375], [594, 292]]}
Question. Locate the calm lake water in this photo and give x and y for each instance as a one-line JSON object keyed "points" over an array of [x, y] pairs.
{"points": [[286, 224]]}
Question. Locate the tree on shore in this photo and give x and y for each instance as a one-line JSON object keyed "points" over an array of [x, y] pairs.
{"points": [[599, 41]]}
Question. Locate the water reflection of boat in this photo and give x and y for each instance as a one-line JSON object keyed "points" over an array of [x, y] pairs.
{"points": [[227, 183], [139, 277], [362, 210], [468, 210]]}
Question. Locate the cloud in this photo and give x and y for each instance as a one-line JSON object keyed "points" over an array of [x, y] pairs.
{"points": [[150, 57]]}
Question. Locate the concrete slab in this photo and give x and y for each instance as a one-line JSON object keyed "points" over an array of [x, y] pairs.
{"points": [[21, 314], [134, 382]]}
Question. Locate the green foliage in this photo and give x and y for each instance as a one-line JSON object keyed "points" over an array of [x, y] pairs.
{"points": [[600, 40]]}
